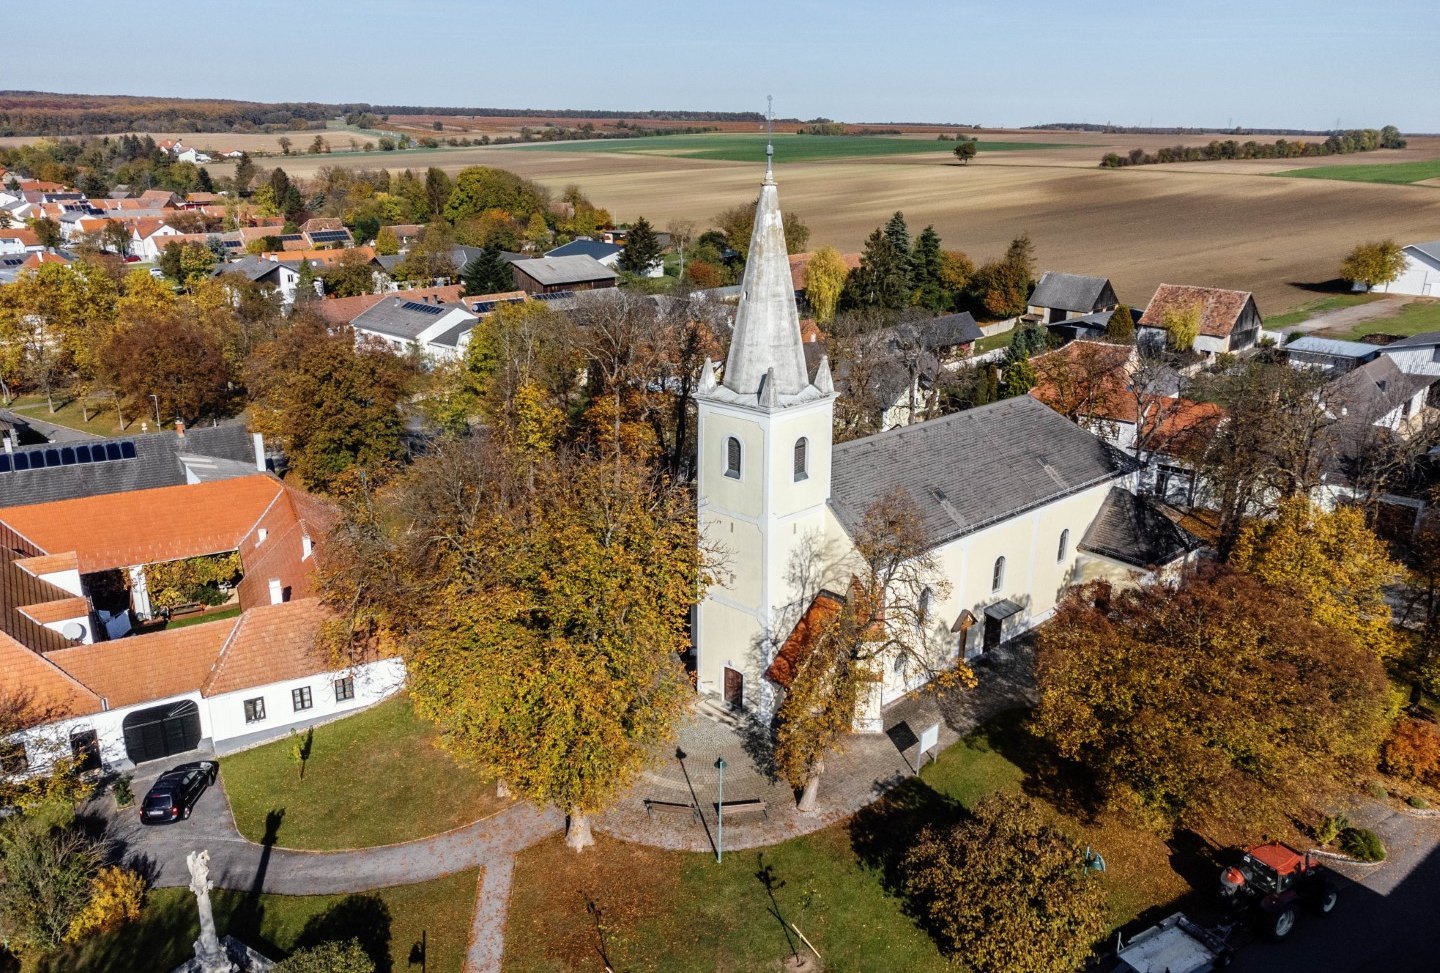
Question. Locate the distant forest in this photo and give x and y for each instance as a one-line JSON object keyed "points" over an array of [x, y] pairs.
{"points": [[41, 113], [1173, 130]]}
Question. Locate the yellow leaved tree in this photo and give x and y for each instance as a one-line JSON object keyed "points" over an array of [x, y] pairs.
{"points": [[1330, 562]]}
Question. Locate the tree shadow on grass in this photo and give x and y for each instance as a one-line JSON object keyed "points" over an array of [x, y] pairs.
{"points": [[364, 918], [882, 832], [1336, 285], [1064, 784]]}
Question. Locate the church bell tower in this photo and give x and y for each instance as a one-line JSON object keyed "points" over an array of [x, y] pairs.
{"points": [[765, 436]]}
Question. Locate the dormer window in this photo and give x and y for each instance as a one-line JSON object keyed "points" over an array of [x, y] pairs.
{"points": [[732, 458], [802, 459]]}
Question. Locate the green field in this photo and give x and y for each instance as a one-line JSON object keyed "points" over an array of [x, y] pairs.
{"points": [[390, 924], [729, 147], [1396, 173]]}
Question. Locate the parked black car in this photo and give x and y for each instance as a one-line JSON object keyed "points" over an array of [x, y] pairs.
{"points": [[173, 796]]}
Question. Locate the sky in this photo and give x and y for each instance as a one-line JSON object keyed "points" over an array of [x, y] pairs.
{"points": [[1202, 63]]}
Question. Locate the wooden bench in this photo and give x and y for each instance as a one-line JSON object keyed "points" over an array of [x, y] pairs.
{"points": [[189, 609], [732, 808], [671, 807]]}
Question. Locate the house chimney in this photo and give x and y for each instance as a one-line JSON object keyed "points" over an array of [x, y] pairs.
{"points": [[259, 440], [9, 445], [277, 591], [306, 546], [180, 427]]}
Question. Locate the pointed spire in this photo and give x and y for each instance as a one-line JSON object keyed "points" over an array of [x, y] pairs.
{"points": [[823, 382], [767, 326], [707, 376]]}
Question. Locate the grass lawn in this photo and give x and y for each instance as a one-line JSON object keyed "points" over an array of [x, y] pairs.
{"points": [[208, 616], [1415, 317], [730, 147], [994, 341], [658, 912], [103, 421], [388, 922], [1310, 309], [1399, 173], [374, 778]]}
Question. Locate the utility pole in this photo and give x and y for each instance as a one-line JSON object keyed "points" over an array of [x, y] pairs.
{"points": [[720, 812]]}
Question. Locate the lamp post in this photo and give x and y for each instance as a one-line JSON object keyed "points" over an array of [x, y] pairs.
{"points": [[156, 399], [720, 811]]}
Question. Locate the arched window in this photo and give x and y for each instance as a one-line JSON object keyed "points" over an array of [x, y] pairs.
{"points": [[1064, 548], [900, 663], [802, 459], [732, 458], [998, 578], [927, 598]]}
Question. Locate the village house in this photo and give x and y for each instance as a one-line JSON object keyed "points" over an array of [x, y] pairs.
{"points": [[1059, 296], [1416, 355], [1006, 494], [437, 329], [1421, 276], [1229, 321], [119, 701]]}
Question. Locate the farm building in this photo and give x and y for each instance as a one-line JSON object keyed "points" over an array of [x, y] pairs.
{"points": [[550, 275], [1421, 276], [1331, 354], [1059, 296], [1229, 320]]}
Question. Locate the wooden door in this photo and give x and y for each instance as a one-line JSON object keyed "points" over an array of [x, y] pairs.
{"points": [[734, 689], [992, 632]]}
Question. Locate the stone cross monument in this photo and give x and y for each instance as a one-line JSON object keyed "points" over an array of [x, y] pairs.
{"points": [[210, 956]]}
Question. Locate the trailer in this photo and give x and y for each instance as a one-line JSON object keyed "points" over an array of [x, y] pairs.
{"points": [[1174, 945]]}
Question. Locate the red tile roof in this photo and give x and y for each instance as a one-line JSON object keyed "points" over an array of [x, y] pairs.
{"points": [[343, 310], [804, 637], [57, 611], [272, 643], [144, 667], [1219, 309], [147, 526], [49, 694]]}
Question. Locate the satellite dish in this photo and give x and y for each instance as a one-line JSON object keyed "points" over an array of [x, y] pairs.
{"points": [[73, 631]]}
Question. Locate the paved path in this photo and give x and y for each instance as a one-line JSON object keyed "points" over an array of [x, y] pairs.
{"points": [[869, 765], [52, 431]]}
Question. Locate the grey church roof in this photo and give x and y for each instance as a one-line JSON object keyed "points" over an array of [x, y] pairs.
{"points": [[972, 469], [158, 460], [1072, 292], [1134, 531]]}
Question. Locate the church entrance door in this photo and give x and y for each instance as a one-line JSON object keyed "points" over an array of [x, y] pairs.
{"points": [[993, 626], [734, 689]]}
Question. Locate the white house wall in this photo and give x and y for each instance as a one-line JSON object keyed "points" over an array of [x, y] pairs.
{"points": [[1420, 278]]}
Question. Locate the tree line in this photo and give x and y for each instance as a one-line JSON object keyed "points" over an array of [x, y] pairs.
{"points": [[1337, 143]]}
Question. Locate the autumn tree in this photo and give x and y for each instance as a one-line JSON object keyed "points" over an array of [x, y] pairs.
{"points": [[47, 231], [1373, 264], [965, 151], [481, 188], [350, 276], [1215, 707], [332, 957], [186, 263], [824, 281], [642, 248], [386, 243], [956, 269], [738, 223], [553, 607], [1182, 327], [46, 875], [886, 617], [174, 356], [1003, 286], [334, 406], [1006, 892], [1330, 563]]}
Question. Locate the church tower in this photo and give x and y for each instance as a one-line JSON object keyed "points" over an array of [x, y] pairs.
{"points": [[764, 437]]}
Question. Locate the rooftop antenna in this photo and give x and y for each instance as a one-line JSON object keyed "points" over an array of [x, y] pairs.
{"points": [[769, 137]]}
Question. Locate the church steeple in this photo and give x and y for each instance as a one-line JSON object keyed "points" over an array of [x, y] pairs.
{"points": [[766, 341]]}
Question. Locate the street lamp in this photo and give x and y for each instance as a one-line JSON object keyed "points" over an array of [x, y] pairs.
{"points": [[720, 811], [156, 399]]}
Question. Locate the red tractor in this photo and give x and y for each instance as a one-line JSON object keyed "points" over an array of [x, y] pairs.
{"points": [[1273, 882]]}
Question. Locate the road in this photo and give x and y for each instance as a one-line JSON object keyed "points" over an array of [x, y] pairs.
{"points": [[1387, 919]]}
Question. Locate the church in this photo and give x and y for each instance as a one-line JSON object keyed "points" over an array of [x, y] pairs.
{"points": [[1017, 504]]}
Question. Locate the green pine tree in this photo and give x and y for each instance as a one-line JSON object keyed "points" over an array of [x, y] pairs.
{"points": [[898, 233], [926, 268], [883, 278], [487, 274], [305, 286], [642, 248]]}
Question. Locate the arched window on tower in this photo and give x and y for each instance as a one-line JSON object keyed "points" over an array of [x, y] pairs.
{"points": [[802, 459], [1064, 545], [998, 578], [732, 458]]}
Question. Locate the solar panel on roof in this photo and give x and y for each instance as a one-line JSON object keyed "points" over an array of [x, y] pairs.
{"points": [[553, 296], [427, 308], [289, 237], [328, 236], [43, 458]]}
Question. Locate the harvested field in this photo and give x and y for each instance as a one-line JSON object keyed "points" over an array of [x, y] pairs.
{"points": [[792, 148]]}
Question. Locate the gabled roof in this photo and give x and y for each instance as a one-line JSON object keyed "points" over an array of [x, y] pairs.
{"points": [[1134, 531], [1073, 292], [145, 667], [555, 271], [343, 310], [1426, 339], [1373, 390], [271, 643], [147, 526], [1220, 310], [1334, 347], [252, 268], [1431, 249], [52, 693], [972, 469], [598, 249], [407, 319], [936, 334], [803, 637]]}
